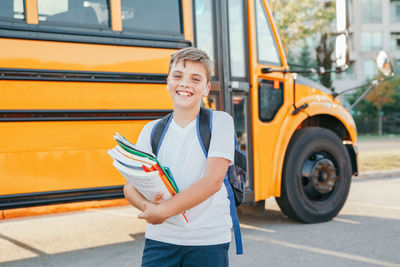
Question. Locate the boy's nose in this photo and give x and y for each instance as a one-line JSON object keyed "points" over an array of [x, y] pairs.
{"points": [[184, 83]]}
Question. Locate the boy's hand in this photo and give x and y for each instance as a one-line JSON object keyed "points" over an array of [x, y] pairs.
{"points": [[153, 214], [158, 198]]}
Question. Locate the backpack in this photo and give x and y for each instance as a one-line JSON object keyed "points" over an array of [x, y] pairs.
{"points": [[235, 178]]}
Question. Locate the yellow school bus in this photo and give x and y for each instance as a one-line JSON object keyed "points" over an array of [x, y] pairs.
{"points": [[73, 72]]}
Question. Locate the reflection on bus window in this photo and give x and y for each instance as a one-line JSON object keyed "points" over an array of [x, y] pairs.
{"points": [[266, 46], [205, 28], [70, 12], [237, 39], [12, 9], [239, 117], [151, 15]]}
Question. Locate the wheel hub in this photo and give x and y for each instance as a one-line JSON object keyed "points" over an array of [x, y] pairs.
{"points": [[324, 176], [319, 177]]}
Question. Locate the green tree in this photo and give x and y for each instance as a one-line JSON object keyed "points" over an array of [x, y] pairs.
{"points": [[305, 59], [383, 94], [324, 52]]}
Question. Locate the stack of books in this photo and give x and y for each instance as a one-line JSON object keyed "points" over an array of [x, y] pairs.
{"points": [[145, 173]]}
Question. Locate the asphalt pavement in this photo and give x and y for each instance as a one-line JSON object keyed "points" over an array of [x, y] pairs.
{"points": [[365, 233]]}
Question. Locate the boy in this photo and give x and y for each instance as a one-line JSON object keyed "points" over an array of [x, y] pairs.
{"points": [[204, 241]]}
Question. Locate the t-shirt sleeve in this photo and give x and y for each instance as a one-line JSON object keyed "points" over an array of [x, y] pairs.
{"points": [[222, 143], [143, 141]]}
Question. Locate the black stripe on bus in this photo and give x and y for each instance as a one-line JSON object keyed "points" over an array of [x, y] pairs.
{"points": [[81, 76], [58, 197], [80, 115]]}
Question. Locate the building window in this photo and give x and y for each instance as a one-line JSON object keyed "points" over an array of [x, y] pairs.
{"points": [[12, 9], [74, 13], [395, 10], [396, 67], [395, 41], [371, 11], [371, 41], [370, 69]]}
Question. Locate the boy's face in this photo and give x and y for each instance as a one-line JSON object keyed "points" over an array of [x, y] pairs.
{"points": [[187, 84]]}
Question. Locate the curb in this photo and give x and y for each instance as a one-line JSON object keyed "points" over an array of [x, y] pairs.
{"points": [[378, 174]]}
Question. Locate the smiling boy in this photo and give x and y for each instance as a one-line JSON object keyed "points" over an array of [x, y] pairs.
{"points": [[204, 241]]}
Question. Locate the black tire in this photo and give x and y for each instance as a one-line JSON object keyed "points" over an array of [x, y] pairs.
{"points": [[313, 157]]}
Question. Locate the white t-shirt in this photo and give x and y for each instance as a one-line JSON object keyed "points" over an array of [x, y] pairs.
{"points": [[210, 222]]}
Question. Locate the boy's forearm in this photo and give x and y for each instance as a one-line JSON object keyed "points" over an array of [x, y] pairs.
{"points": [[198, 191], [134, 197]]}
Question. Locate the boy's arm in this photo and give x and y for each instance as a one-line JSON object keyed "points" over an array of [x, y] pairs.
{"points": [[198, 192], [136, 199]]}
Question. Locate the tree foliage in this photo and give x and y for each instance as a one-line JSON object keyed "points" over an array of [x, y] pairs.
{"points": [[384, 97], [300, 20], [383, 94]]}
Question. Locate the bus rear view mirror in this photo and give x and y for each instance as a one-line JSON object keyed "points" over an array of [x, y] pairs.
{"points": [[342, 25], [384, 64], [341, 51]]}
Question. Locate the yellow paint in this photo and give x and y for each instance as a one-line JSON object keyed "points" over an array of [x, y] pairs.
{"points": [[64, 95], [116, 19], [46, 156], [31, 12], [31, 54]]}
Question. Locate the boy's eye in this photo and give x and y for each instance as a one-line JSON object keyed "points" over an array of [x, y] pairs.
{"points": [[177, 76], [196, 79]]}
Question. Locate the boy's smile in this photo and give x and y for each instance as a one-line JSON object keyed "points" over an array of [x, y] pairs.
{"points": [[187, 84]]}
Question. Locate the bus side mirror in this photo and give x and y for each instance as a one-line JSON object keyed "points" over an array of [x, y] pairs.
{"points": [[342, 26], [384, 64]]}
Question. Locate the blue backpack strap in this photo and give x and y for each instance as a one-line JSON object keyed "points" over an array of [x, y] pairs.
{"points": [[204, 128], [158, 133], [234, 216]]}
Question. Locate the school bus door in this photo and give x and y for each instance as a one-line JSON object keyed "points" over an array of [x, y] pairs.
{"points": [[271, 96], [221, 30]]}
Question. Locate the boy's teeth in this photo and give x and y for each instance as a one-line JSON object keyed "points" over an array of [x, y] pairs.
{"points": [[184, 93]]}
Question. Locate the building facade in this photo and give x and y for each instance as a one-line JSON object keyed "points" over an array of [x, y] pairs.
{"points": [[374, 26]]}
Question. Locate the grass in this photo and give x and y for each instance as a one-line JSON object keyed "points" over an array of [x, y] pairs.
{"points": [[367, 137], [379, 160]]}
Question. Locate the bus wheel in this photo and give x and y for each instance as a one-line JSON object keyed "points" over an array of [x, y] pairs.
{"points": [[316, 176]]}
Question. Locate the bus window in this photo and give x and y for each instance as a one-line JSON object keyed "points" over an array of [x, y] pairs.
{"points": [[12, 9], [270, 100], [237, 43], [266, 46], [74, 12], [205, 28], [163, 17]]}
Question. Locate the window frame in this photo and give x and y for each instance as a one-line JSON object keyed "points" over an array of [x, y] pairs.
{"points": [[264, 62]]}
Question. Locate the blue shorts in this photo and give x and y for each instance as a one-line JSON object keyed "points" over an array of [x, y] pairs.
{"points": [[157, 254]]}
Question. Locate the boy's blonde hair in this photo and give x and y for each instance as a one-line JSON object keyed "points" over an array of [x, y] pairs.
{"points": [[193, 54]]}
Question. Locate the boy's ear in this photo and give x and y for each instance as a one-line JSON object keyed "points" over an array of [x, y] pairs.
{"points": [[207, 89], [167, 83]]}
